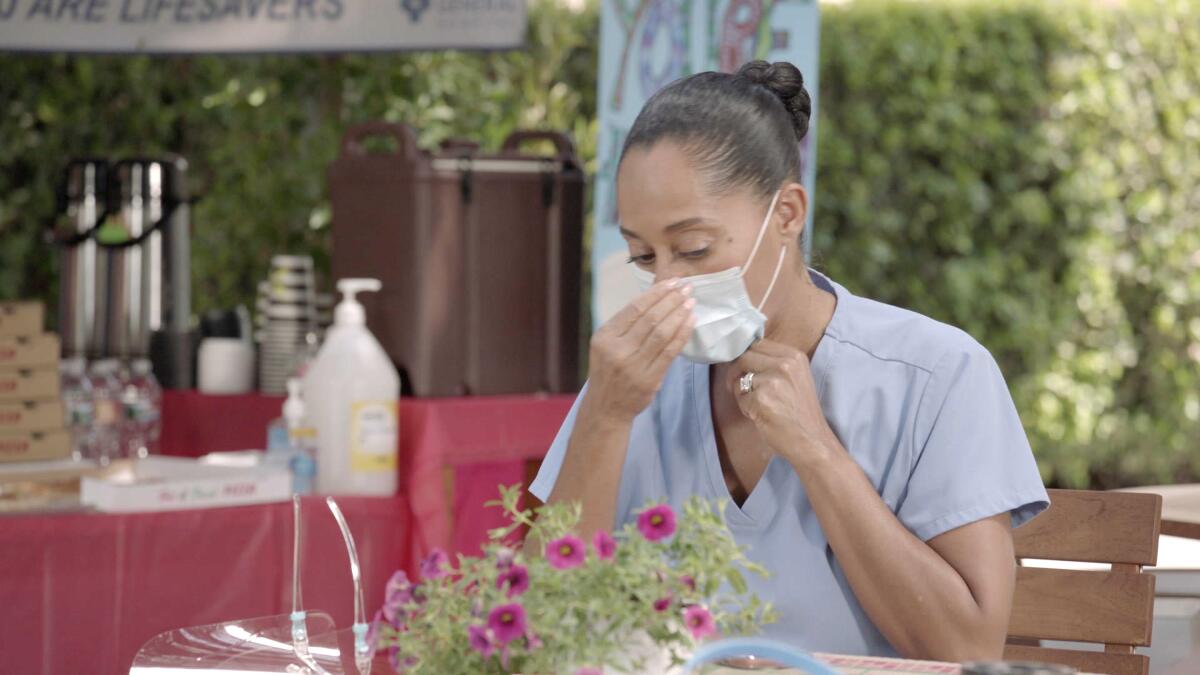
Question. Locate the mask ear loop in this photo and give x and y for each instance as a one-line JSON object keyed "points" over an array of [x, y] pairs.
{"points": [[762, 231], [774, 277]]}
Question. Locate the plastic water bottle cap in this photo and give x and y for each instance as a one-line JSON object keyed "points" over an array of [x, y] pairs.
{"points": [[293, 407]]}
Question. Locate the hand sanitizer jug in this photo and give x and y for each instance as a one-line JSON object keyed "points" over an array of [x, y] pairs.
{"points": [[351, 395]]}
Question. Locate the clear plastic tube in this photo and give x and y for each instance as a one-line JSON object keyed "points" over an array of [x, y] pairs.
{"points": [[362, 650]]}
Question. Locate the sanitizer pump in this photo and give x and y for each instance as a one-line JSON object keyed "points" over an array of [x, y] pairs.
{"points": [[351, 395]]}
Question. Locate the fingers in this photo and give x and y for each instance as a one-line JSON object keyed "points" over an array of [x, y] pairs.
{"points": [[766, 360], [772, 348], [754, 361], [765, 355], [674, 346], [623, 320], [655, 327]]}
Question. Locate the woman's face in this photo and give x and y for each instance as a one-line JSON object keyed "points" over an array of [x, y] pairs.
{"points": [[676, 228]]}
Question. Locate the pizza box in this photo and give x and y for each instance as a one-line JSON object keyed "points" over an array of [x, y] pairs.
{"points": [[34, 445], [42, 415], [174, 483], [51, 485], [29, 351], [28, 384], [21, 318]]}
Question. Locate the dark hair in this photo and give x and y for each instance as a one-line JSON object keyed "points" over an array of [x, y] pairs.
{"points": [[736, 127]]}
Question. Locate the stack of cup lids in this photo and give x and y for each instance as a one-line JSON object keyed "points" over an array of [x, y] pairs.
{"points": [[287, 313], [324, 313]]}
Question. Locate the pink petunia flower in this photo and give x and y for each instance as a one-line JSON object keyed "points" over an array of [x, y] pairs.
{"points": [[565, 553], [399, 589], [516, 578], [657, 522], [504, 557], [435, 565], [482, 640], [699, 621], [507, 622], [394, 614], [688, 582], [605, 545], [662, 604], [373, 628], [589, 670], [397, 594]]}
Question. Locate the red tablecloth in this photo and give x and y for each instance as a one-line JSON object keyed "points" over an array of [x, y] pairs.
{"points": [[482, 441], [82, 592]]}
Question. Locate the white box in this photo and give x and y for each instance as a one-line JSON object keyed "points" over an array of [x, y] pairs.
{"points": [[173, 483]]}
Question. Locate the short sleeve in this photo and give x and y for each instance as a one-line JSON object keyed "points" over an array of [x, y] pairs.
{"points": [[641, 473], [972, 458], [543, 484]]}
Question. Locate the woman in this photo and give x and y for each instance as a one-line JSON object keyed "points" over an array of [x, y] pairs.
{"points": [[873, 457]]}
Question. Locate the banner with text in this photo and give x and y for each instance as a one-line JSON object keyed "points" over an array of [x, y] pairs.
{"points": [[240, 26], [644, 45]]}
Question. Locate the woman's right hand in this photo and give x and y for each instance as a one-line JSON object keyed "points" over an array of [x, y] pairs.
{"points": [[630, 353]]}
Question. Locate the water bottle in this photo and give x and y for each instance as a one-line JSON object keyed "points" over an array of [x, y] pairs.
{"points": [[78, 405], [302, 440], [141, 401], [105, 443]]}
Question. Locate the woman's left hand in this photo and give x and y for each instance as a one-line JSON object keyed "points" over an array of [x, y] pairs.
{"points": [[783, 401]]}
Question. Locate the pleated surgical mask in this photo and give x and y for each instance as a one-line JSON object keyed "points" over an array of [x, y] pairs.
{"points": [[727, 322]]}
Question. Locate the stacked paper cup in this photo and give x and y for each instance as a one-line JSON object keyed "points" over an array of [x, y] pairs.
{"points": [[287, 313]]}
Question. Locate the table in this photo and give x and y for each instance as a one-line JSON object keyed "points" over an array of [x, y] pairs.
{"points": [[453, 451], [866, 665], [1180, 508], [82, 592]]}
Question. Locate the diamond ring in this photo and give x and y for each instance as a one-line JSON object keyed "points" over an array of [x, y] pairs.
{"points": [[746, 383]]}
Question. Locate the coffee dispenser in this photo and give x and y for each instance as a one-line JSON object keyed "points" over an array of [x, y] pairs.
{"points": [[83, 200], [125, 290]]}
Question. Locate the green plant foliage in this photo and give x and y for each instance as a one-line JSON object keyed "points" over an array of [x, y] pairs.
{"points": [[259, 133], [618, 610], [1030, 172]]}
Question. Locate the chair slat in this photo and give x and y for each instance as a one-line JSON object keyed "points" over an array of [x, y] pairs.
{"points": [[1084, 662], [1086, 526], [1085, 606]]}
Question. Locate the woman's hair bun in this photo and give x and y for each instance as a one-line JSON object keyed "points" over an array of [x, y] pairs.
{"points": [[785, 81]]}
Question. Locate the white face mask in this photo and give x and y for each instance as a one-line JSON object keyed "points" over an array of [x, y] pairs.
{"points": [[727, 323]]}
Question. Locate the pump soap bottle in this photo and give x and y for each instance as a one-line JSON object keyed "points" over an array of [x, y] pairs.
{"points": [[351, 395]]}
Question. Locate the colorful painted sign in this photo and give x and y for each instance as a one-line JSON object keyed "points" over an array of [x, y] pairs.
{"points": [[644, 45]]}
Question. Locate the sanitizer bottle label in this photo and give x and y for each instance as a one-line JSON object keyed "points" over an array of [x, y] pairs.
{"points": [[373, 438]]}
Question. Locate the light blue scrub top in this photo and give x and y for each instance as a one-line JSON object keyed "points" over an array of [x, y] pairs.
{"points": [[922, 408]]}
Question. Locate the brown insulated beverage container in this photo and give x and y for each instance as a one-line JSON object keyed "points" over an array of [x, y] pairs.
{"points": [[479, 254]]}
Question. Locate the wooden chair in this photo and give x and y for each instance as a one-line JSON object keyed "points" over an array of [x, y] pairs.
{"points": [[1114, 608]]}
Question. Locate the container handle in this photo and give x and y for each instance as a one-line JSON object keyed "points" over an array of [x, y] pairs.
{"points": [[562, 143], [460, 145], [405, 137]]}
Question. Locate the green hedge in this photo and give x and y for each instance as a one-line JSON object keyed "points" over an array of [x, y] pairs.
{"points": [[1027, 170], [260, 132], [1030, 171]]}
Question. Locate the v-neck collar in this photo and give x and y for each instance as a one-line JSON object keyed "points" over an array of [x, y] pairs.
{"points": [[760, 505]]}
